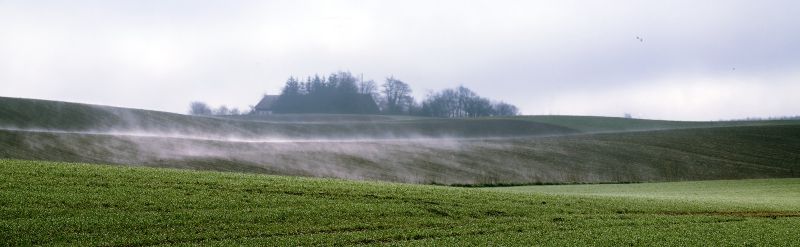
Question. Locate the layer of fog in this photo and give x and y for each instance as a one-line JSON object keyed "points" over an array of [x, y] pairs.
{"points": [[583, 158], [410, 138], [447, 151]]}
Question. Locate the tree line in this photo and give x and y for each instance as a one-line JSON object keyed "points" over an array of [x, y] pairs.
{"points": [[463, 102], [342, 92], [201, 108], [337, 93]]}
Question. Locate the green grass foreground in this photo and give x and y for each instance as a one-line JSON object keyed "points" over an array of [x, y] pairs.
{"points": [[50, 203]]}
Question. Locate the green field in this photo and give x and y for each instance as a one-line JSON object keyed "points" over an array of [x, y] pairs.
{"points": [[47, 203], [57, 115], [481, 151], [282, 181], [751, 194], [34, 114], [670, 155]]}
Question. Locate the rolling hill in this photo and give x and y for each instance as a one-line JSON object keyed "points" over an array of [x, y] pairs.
{"points": [[516, 150], [31, 114]]}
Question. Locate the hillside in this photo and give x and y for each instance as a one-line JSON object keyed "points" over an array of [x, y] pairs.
{"points": [[34, 114], [592, 124], [18, 113], [690, 154], [520, 150], [46, 203], [749, 194]]}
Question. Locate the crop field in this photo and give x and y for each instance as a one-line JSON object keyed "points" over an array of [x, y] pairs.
{"points": [[87, 175], [669, 155], [480, 151], [51, 203], [33, 114], [749, 194], [399, 123]]}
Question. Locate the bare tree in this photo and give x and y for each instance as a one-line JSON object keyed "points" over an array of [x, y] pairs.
{"points": [[505, 109], [346, 83], [398, 96], [199, 108], [367, 87], [463, 102], [222, 110]]}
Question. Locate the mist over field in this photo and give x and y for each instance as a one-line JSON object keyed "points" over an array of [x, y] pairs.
{"points": [[502, 150], [420, 123]]}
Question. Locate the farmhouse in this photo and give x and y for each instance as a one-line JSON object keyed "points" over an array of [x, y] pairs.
{"points": [[328, 104], [266, 105]]}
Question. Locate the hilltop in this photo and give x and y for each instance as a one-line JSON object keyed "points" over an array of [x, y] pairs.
{"points": [[19, 113]]}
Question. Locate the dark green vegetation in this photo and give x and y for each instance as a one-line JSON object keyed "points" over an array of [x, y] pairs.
{"points": [[342, 92], [77, 204], [483, 151], [338, 93]]}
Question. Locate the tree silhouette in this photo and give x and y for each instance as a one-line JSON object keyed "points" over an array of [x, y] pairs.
{"points": [[398, 96]]}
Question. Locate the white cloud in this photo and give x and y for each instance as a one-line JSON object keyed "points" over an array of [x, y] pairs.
{"points": [[540, 55]]}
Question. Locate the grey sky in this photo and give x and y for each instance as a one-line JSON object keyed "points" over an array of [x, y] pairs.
{"points": [[547, 57]]}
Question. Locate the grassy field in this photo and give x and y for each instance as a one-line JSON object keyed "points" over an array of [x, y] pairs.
{"points": [[36, 114], [56, 115], [751, 194], [592, 124], [482, 151], [142, 203], [47, 203], [669, 155]]}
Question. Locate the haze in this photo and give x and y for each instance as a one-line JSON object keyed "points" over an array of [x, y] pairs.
{"points": [[683, 60]]}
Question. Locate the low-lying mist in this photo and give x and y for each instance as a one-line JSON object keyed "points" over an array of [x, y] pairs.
{"points": [[415, 150], [630, 157]]}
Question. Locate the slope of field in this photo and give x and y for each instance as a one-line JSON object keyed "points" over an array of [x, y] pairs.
{"points": [[751, 194], [592, 124], [45, 203], [673, 155], [16, 113], [515, 150], [31, 114]]}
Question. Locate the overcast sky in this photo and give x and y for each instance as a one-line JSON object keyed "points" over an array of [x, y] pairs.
{"points": [[699, 60]]}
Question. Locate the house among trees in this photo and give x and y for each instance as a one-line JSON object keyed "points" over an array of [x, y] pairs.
{"points": [[343, 93], [339, 93], [354, 103], [266, 105]]}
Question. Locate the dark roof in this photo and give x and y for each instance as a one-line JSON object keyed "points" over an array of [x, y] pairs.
{"points": [[266, 103], [366, 104]]}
